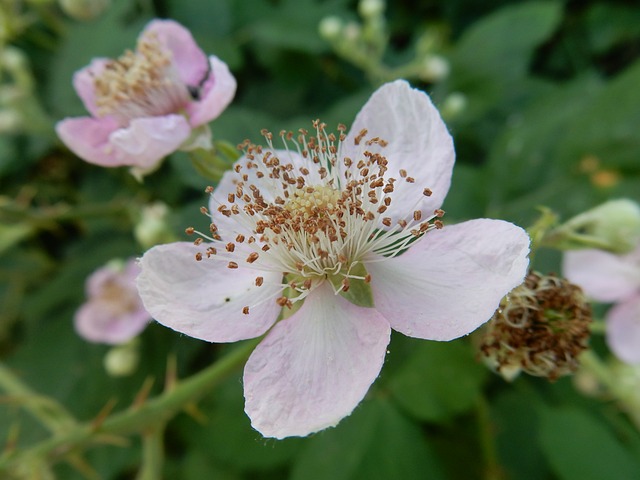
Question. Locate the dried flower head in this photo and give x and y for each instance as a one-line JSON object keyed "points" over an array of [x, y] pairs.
{"points": [[541, 327]]}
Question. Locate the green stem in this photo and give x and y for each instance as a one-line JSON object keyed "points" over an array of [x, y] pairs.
{"points": [[628, 398], [149, 415], [492, 469], [44, 409], [152, 454]]}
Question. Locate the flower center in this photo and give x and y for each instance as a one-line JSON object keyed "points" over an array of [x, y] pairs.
{"points": [[315, 215], [118, 299], [143, 83]]}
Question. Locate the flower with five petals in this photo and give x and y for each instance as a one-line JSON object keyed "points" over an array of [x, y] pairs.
{"points": [[325, 246]]}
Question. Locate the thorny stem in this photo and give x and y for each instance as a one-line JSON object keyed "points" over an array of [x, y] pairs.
{"points": [[152, 454], [152, 413], [44, 409]]}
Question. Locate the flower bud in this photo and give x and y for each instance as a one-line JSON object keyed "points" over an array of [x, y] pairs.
{"points": [[371, 8], [153, 228], [453, 105], [540, 328], [612, 226], [122, 360], [434, 68], [84, 9], [330, 28]]}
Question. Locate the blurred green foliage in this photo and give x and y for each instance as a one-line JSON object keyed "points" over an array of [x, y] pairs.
{"points": [[550, 115]]}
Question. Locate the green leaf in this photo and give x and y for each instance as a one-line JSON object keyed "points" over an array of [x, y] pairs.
{"points": [[11, 234], [375, 443], [439, 380], [495, 52], [579, 447], [227, 436], [607, 127], [515, 425]]}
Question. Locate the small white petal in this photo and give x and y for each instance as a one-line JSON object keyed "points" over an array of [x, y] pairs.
{"points": [[603, 276], [623, 330], [418, 142], [205, 299], [312, 369], [452, 280]]}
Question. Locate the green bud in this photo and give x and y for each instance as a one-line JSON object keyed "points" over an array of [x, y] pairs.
{"points": [[371, 8], [153, 227], [612, 226], [122, 360], [84, 9], [330, 28]]}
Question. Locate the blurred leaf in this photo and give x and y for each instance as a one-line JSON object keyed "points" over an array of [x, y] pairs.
{"points": [[375, 442], [439, 380], [607, 128], [227, 436], [522, 159], [516, 424], [609, 25], [578, 447], [11, 234], [495, 52], [293, 24]]}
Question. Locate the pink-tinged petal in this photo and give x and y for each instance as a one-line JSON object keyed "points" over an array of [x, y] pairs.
{"points": [[217, 93], [189, 60], [205, 299], [142, 144], [418, 143], [83, 82], [623, 330], [148, 140], [314, 368], [452, 280], [88, 138], [603, 276], [100, 321]]}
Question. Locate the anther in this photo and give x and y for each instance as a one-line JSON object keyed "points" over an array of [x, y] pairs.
{"points": [[198, 256], [427, 192], [253, 256], [259, 281], [230, 247], [232, 265], [189, 230], [245, 310]]}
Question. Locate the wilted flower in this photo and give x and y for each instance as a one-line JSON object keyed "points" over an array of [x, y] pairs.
{"points": [[606, 277], [349, 224], [113, 312], [147, 103], [540, 328]]}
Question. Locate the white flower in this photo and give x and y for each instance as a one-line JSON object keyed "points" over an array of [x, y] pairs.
{"points": [[349, 224]]}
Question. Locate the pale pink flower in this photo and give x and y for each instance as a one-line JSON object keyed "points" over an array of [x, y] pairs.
{"points": [[333, 219], [113, 313], [610, 278], [146, 104]]}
